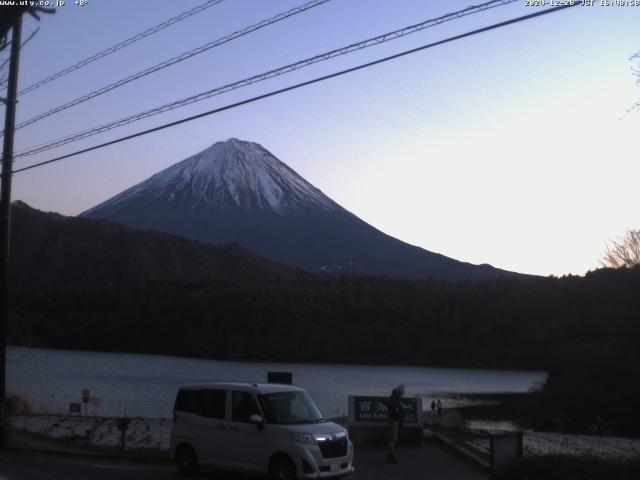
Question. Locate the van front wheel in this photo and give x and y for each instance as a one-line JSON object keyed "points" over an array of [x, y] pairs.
{"points": [[187, 461], [283, 468]]}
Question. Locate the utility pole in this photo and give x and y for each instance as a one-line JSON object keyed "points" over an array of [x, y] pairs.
{"points": [[11, 19], [5, 212]]}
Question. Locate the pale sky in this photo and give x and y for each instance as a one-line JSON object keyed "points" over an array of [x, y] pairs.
{"points": [[510, 148]]}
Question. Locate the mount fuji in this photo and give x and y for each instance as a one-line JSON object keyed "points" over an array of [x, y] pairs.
{"points": [[238, 192]]}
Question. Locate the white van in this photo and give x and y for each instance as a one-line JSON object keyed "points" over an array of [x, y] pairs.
{"points": [[268, 429]]}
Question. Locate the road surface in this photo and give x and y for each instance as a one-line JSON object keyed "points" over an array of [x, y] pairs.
{"points": [[424, 462]]}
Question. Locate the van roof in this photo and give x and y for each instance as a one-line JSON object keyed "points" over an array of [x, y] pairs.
{"points": [[260, 388]]}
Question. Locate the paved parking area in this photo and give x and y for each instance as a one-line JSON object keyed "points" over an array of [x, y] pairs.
{"points": [[427, 461]]}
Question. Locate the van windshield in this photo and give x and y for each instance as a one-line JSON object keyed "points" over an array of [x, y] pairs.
{"points": [[289, 408]]}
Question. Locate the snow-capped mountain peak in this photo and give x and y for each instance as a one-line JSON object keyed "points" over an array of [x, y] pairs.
{"points": [[233, 174]]}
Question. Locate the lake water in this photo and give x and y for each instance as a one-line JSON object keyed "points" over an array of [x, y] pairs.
{"points": [[146, 384]]}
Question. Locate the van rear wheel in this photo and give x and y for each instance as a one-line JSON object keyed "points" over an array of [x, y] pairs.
{"points": [[187, 461], [283, 468]]}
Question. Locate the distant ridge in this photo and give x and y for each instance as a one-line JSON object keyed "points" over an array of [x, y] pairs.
{"points": [[51, 251], [237, 191]]}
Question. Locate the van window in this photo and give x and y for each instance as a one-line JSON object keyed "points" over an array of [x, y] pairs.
{"points": [[212, 403], [243, 406], [290, 408], [187, 401]]}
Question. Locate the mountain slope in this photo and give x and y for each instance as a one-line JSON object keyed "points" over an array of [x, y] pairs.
{"points": [[52, 251], [237, 191]]}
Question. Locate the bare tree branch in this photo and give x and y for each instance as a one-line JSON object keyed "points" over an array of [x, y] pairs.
{"points": [[635, 71], [623, 252]]}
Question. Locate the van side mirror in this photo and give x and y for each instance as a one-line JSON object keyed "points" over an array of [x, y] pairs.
{"points": [[257, 420]]}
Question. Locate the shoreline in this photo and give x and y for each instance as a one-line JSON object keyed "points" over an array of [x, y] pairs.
{"points": [[291, 362]]}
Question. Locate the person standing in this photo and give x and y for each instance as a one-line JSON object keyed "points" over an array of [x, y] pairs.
{"points": [[439, 407], [395, 421]]}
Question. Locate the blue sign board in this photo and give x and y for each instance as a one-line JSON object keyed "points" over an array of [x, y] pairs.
{"points": [[375, 409]]}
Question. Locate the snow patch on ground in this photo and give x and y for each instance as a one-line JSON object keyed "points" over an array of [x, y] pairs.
{"points": [[537, 444], [143, 433]]}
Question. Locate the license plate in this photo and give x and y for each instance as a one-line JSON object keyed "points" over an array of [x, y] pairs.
{"points": [[335, 466]]}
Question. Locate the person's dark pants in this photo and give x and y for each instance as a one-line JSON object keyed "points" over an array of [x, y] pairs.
{"points": [[394, 427]]}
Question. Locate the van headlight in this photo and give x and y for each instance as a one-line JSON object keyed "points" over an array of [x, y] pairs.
{"points": [[303, 437]]}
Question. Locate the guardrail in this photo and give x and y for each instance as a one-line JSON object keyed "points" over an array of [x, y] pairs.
{"points": [[498, 452]]}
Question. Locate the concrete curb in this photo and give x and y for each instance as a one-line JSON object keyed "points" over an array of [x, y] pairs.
{"points": [[446, 441]]}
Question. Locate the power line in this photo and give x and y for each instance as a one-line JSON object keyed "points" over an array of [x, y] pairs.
{"points": [[26, 40], [265, 76], [6, 62], [174, 60], [121, 45], [302, 84]]}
